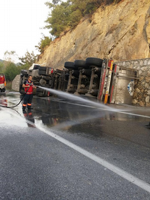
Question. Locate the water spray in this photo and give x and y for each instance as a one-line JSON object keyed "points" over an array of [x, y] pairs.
{"points": [[88, 102], [77, 98], [73, 97]]}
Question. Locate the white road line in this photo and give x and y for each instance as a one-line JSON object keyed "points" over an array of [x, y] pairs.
{"points": [[127, 176]]}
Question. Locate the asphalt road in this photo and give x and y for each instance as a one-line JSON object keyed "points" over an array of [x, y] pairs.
{"points": [[67, 150]]}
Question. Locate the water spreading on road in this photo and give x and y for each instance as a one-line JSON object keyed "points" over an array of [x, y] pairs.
{"points": [[84, 101], [79, 99], [91, 103], [77, 121]]}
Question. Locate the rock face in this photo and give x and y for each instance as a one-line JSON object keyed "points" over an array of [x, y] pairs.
{"points": [[121, 32]]}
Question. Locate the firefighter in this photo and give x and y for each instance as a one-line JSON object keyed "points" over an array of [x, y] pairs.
{"points": [[28, 87]]}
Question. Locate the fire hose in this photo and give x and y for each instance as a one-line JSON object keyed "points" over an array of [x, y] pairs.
{"points": [[18, 102]]}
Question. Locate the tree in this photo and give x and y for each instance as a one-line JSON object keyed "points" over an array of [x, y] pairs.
{"points": [[11, 71], [53, 4], [45, 41], [1, 67], [58, 20], [28, 59], [67, 14]]}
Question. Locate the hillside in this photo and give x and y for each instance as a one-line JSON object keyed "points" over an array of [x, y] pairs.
{"points": [[120, 31]]}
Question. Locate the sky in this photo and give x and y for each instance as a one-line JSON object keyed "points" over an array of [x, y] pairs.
{"points": [[21, 25]]}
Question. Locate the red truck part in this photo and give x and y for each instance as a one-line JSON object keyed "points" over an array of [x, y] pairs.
{"points": [[2, 82]]}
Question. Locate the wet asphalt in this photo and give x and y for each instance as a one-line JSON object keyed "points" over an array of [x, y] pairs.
{"points": [[36, 164]]}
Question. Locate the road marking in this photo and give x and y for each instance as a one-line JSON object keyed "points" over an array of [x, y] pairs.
{"points": [[127, 176]]}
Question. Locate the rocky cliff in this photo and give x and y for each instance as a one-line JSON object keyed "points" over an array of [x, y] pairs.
{"points": [[120, 31]]}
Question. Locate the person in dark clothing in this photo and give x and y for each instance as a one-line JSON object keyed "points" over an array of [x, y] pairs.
{"points": [[28, 87]]}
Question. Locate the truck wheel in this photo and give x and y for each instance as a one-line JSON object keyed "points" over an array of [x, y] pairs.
{"points": [[42, 82], [80, 63], [94, 61], [24, 72], [40, 94], [69, 65]]}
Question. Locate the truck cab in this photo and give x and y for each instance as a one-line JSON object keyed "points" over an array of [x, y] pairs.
{"points": [[2, 82]]}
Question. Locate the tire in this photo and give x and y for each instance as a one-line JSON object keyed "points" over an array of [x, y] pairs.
{"points": [[24, 72], [41, 93], [80, 63], [3, 90], [38, 90], [94, 61], [69, 65], [42, 82], [46, 120]]}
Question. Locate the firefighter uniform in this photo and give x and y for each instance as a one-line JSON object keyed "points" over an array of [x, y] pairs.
{"points": [[28, 95]]}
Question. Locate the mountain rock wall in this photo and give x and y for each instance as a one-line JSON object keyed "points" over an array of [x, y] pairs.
{"points": [[120, 32]]}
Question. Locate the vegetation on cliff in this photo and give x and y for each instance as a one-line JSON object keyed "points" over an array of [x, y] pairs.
{"points": [[44, 42], [67, 14]]}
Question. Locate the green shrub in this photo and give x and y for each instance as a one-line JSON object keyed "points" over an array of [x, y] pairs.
{"points": [[43, 43], [11, 71], [67, 14]]}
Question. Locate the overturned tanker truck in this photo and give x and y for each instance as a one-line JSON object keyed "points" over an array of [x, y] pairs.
{"points": [[94, 77]]}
